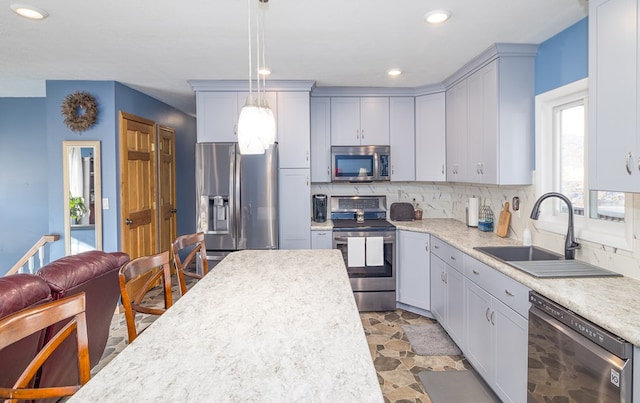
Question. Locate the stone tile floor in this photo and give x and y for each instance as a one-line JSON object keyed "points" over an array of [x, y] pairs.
{"points": [[396, 364]]}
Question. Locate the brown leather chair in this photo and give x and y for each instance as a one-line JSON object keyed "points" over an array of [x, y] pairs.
{"points": [[20, 291], [190, 246], [96, 274], [34, 320], [137, 278]]}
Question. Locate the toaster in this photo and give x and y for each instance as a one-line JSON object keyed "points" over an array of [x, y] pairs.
{"points": [[401, 212]]}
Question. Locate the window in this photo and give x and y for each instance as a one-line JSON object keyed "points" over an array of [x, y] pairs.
{"points": [[562, 166]]}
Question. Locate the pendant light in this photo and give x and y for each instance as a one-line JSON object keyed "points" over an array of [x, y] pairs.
{"points": [[256, 124]]}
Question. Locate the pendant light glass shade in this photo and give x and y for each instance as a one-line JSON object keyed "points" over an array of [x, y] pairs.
{"points": [[256, 127], [256, 124]]}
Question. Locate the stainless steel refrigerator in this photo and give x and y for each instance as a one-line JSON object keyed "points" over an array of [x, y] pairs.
{"points": [[237, 199]]}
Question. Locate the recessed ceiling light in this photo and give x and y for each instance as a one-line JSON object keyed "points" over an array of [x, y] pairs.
{"points": [[437, 16], [394, 72], [30, 12], [264, 71]]}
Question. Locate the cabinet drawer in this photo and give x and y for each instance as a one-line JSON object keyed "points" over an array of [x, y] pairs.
{"points": [[450, 255], [509, 291]]}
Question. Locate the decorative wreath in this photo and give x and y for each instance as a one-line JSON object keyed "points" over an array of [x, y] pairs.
{"points": [[80, 111]]}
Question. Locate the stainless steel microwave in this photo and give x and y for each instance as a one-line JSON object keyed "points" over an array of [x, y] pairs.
{"points": [[360, 163]]}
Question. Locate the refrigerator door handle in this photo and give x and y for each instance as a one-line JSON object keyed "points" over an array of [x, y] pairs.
{"points": [[236, 173]]}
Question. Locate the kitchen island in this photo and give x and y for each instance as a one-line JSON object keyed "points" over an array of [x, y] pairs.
{"points": [[268, 326]]}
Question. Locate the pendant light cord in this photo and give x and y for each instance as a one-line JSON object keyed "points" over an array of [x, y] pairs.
{"points": [[250, 51]]}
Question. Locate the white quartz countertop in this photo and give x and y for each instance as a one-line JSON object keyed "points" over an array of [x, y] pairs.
{"points": [[611, 302], [319, 226], [267, 326]]}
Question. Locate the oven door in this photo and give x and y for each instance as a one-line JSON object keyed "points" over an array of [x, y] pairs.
{"points": [[369, 277], [566, 366]]}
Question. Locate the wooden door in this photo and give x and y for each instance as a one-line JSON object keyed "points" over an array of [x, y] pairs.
{"points": [[167, 186], [138, 218]]}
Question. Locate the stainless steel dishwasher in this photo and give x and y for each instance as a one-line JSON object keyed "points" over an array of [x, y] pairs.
{"points": [[572, 359]]}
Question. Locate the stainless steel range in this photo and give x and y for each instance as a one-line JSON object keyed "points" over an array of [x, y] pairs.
{"points": [[368, 244]]}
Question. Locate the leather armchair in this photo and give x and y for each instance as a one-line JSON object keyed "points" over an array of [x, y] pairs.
{"points": [[95, 273], [20, 291]]}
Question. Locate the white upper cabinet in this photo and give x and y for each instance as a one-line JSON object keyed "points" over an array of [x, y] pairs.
{"points": [[482, 128], [456, 132], [614, 147], [320, 139], [359, 121], [490, 120], [402, 138], [430, 146], [294, 129], [294, 209], [217, 114]]}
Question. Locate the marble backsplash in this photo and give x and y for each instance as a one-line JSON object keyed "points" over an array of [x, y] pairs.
{"points": [[449, 200]]}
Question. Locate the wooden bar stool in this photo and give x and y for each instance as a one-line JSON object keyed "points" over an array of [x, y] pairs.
{"points": [[137, 278], [24, 323], [194, 243]]}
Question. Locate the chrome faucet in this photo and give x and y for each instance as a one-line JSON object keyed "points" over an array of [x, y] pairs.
{"points": [[570, 244]]}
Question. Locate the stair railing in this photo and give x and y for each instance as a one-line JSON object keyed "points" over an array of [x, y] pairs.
{"points": [[29, 257]]}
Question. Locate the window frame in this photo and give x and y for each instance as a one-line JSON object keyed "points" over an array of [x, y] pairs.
{"points": [[608, 233]]}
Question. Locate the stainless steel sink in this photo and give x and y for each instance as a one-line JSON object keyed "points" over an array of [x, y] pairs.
{"points": [[519, 253], [541, 263]]}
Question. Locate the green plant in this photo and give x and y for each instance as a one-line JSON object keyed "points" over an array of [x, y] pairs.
{"points": [[77, 207]]}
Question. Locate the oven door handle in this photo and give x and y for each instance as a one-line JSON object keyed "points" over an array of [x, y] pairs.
{"points": [[344, 239]]}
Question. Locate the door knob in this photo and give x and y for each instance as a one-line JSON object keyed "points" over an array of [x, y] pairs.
{"points": [[174, 210], [128, 221]]}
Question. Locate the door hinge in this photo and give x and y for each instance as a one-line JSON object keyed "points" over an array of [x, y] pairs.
{"points": [[153, 146]]}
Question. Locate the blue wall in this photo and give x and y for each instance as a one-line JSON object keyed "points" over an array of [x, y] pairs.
{"points": [[113, 97], [134, 102], [23, 177], [105, 130], [31, 186], [563, 58]]}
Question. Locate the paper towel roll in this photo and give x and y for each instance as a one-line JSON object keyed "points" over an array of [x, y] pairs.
{"points": [[474, 208]]}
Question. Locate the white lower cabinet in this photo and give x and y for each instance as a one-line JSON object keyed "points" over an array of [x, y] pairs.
{"points": [[413, 269], [485, 313], [447, 289], [497, 344], [321, 239]]}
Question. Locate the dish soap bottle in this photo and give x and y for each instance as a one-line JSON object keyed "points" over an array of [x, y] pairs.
{"points": [[526, 236]]}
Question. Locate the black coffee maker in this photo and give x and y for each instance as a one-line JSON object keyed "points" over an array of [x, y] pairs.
{"points": [[319, 208]]}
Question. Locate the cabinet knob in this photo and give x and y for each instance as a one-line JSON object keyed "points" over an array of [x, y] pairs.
{"points": [[362, 134], [509, 293], [307, 155], [493, 314], [628, 165], [476, 272], [486, 314], [442, 169]]}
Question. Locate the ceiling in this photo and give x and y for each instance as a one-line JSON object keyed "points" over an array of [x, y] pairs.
{"points": [[155, 46]]}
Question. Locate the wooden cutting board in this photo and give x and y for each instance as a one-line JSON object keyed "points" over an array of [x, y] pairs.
{"points": [[503, 222]]}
